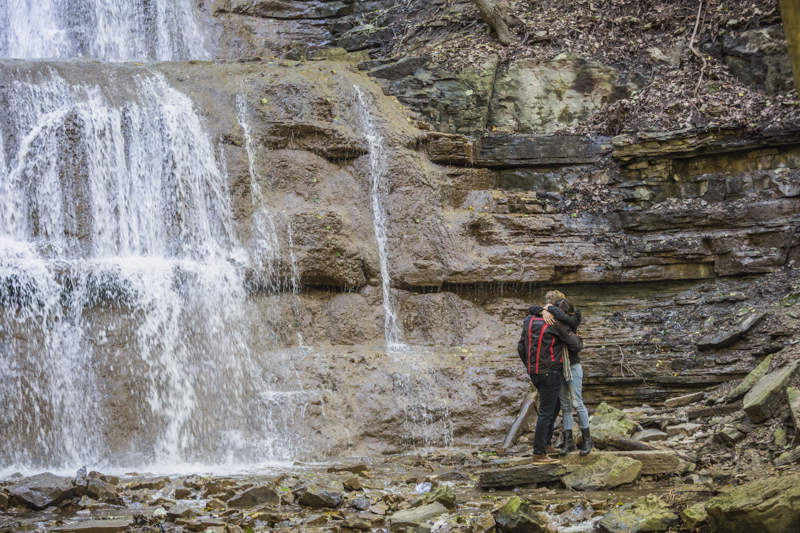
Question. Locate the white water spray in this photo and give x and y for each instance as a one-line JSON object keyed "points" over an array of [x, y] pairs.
{"points": [[118, 214], [109, 30]]}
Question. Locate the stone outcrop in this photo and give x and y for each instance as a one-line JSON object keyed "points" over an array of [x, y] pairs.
{"points": [[759, 58], [770, 505], [536, 96], [472, 236], [455, 102], [540, 150]]}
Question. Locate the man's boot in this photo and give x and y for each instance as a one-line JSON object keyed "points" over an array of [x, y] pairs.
{"points": [[568, 445], [587, 442]]}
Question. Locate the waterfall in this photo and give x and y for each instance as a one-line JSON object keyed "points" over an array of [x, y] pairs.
{"points": [[264, 241], [108, 30], [380, 192], [427, 418], [116, 240]]}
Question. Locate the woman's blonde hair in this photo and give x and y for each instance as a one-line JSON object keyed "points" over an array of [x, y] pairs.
{"points": [[552, 296]]}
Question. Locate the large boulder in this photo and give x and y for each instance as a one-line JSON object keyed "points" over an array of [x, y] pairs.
{"points": [[606, 473], [770, 505], [42, 490], [647, 513], [610, 421], [516, 516], [764, 399]]}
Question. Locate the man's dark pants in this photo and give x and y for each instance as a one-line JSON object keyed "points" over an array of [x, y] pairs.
{"points": [[548, 386]]}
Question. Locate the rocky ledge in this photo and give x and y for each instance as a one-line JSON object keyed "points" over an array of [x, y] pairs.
{"points": [[667, 474]]}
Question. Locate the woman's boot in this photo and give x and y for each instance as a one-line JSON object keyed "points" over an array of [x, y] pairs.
{"points": [[587, 441], [568, 445]]}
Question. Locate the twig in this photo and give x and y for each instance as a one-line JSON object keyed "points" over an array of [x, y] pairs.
{"points": [[582, 495], [695, 51], [623, 366]]}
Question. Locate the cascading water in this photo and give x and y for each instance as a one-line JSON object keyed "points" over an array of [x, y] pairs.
{"points": [[109, 30], [380, 191], [414, 381], [117, 256]]}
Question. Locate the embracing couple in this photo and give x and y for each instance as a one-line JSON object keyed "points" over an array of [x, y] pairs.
{"points": [[549, 341]]}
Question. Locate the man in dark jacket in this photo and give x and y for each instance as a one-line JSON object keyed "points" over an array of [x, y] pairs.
{"points": [[572, 320], [541, 349]]}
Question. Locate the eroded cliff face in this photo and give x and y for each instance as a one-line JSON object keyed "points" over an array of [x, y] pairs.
{"points": [[650, 235]]}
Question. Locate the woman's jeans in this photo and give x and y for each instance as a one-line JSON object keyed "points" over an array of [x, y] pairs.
{"points": [[573, 390]]}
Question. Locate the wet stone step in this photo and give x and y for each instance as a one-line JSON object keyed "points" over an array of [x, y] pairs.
{"points": [[96, 526], [653, 462], [520, 475]]}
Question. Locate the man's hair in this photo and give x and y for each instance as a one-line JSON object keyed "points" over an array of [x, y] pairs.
{"points": [[565, 305], [552, 296]]}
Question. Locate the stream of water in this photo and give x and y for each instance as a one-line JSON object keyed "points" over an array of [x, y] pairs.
{"points": [[379, 194]]}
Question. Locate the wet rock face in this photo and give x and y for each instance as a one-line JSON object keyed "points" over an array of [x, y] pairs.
{"points": [[42, 490], [473, 240]]}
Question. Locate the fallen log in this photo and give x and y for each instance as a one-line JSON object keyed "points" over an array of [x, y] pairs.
{"points": [[530, 404]]}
